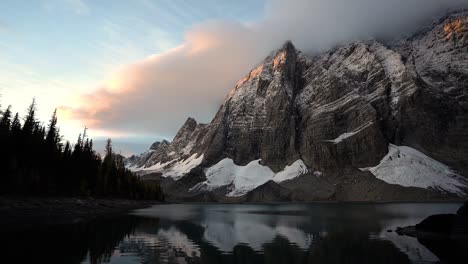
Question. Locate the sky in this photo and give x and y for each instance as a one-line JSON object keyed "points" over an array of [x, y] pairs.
{"points": [[135, 70]]}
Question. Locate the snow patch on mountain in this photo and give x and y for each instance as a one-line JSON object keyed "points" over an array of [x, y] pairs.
{"points": [[350, 134], [291, 171], [173, 168], [156, 167], [246, 178], [410, 168], [394, 68], [391, 62], [180, 168]]}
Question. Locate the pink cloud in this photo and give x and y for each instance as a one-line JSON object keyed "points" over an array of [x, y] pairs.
{"points": [[157, 94]]}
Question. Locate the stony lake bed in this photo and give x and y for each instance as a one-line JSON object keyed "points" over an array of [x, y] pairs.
{"points": [[238, 233]]}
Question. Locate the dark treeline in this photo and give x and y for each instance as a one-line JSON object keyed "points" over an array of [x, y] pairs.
{"points": [[35, 161]]}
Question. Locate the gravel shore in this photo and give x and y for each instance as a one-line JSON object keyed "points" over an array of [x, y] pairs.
{"points": [[20, 212]]}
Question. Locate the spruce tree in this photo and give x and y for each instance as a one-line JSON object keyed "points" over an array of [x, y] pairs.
{"points": [[5, 122], [30, 119], [5, 149], [16, 125], [52, 130], [33, 162]]}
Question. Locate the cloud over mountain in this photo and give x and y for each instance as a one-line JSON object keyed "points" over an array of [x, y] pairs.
{"points": [[157, 94]]}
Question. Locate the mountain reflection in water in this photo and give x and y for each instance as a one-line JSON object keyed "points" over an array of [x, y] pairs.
{"points": [[224, 233]]}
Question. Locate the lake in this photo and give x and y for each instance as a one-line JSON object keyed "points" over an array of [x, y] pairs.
{"points": [[235, 233]]}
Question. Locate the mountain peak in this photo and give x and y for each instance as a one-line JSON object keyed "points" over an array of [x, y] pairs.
{"points": [[354, 112], [190, 123], [186, 130], [288, 46], [157, 144], [286, 52], [285, 59]]}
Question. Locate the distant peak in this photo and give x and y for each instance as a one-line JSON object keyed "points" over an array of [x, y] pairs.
{"points": [[190, 122], [157, 144], [189, 125], [285, 59], [288, 46]]}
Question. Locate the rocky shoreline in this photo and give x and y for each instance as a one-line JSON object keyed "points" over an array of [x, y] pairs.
{"points": [[445, 226], [23, 212], [445, 235]]}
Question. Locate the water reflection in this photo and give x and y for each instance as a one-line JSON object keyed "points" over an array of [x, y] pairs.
{"points": [[317, 233], [94, 241]]}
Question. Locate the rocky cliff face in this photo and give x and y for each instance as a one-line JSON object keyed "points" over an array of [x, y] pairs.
{"points": [[362, 117]]}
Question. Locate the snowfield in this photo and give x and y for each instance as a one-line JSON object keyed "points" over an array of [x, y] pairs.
{"points": [[410, 168], [173, 168], [246, 178], [402, 165]]}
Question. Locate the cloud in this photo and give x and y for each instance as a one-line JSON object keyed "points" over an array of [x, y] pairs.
{"points": [[319, 24], [156, 95]]}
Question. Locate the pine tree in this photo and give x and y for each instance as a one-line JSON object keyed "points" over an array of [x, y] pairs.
{"points": [[30, 119], [52, 130], [91, 144], [5, 122], [16, 125], [67, 151], [33, 162], [5, 150], [109, 147], [78, 145]]}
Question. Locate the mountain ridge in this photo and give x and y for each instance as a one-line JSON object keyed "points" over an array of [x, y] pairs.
{"points": [[336, 113]]}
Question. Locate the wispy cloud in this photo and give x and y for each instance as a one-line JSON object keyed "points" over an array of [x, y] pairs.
{"points": [[157, 94]]}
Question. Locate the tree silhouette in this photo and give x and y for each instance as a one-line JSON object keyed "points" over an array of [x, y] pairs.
{"points": [[35, 161]]}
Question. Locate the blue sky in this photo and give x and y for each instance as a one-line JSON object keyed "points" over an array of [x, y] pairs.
{"points": [[59, 36], [56, 49], [135, 70], [79, 41]]}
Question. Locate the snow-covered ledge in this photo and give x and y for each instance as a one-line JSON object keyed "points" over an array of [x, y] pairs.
{"points": [[248, 177], [410, 168]]}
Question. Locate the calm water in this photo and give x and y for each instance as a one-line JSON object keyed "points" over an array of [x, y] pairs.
{"points": [[219, 233]]}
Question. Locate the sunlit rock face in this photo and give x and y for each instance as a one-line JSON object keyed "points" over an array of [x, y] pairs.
{"points": [[456, 29], [336, 112], [257, 120], [435, 120]]}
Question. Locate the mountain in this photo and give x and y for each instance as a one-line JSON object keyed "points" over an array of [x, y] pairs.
{"points": [[361, 122]]}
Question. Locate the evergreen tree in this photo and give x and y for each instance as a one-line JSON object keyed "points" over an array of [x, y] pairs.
{"points": [[34, 162], [16, 125], [30, 119], [52, 131], [5, 123], [67, 151], [109, 147], [5, 148]]}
